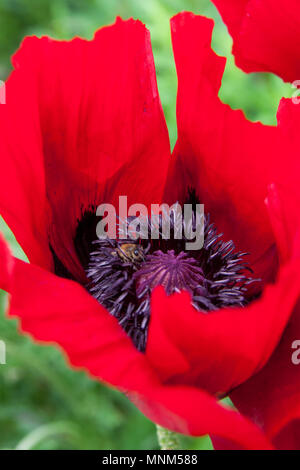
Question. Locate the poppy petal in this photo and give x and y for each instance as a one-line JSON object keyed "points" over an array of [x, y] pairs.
{"points": [[58, 311], [227, 159], [7, 265], [271, 398], [265, 35], [95, 131], [22, 182], [191, 411], [220, 350], [283, 206]]}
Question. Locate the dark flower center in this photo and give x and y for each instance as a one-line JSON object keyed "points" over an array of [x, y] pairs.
{"points": [[173, 272], [122, 274]]}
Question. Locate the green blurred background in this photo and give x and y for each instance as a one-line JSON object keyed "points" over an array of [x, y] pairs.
{"points": [[43, 403]]}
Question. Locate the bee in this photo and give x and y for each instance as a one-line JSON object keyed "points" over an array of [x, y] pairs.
{"points": [[129, 252]]}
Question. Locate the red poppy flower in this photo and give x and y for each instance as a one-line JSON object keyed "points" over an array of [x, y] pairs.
{"points": [[265, 35], [83, 125]]}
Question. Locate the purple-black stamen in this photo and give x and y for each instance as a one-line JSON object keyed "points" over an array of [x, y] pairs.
{"points": [[122, 281], [123, 273]]}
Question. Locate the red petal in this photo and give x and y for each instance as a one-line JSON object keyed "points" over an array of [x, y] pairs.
{"points": [[22, 181], [219, 351], [227, 159], [283, 197], [233, 12], [94, 130], [283, 206], [224, 444], [289, 437], [191, 411], [265, 35], [271, 398], [7, 265], [58, 311]]}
